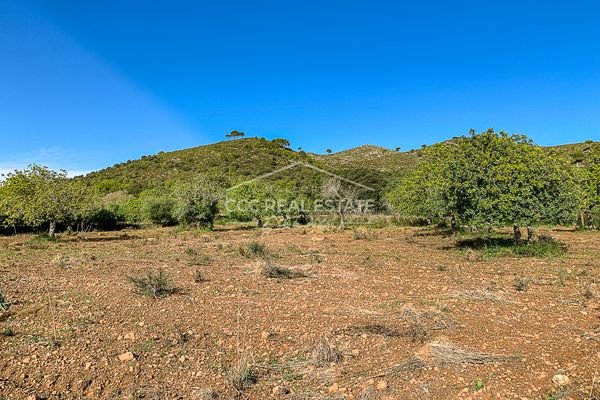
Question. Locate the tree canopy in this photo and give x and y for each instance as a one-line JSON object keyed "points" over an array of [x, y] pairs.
{"points": [[489, 179]]}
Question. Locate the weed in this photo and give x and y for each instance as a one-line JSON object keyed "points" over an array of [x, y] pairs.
{"points": [[241, 374], [253, 250], [521, 284], [588, 294], [154, 283], [271, 270], [478, 384], [190, 252], [4, 303], [442, 268]]}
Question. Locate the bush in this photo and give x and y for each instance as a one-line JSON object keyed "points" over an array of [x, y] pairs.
{"points": [[154, 283], [197, 203], [157, 207], [254, 249]]}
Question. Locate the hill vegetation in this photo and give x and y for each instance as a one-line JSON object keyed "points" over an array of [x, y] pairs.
{"points": [[479, 180]]}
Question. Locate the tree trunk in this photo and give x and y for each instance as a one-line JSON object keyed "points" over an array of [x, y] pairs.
{"points": [[581, 215], [517, 233], [52, 229], [342, 224], [259, 222], [529, 234]]}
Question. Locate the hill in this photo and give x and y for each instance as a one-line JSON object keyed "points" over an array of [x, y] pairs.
{"points": [[238, 160], [242, 159]]}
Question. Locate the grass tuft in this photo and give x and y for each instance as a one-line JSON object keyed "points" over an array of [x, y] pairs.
{"points": [[155, 284], [241, 374]]}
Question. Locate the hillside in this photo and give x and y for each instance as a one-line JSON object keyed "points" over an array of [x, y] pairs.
{"points": [[238, 160], [241, 159]]}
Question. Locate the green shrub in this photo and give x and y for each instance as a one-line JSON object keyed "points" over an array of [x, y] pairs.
{"points": [[154, 283], [158, 207]]}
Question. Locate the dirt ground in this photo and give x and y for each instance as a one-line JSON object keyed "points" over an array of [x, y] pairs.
{"points": [[400, 314]]}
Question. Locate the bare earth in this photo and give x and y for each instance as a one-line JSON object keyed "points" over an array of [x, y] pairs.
{"points": [[412, 316]]}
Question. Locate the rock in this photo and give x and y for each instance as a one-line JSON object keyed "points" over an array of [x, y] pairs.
{"points": [[334, 388], [129, 336], [128, 356], [560, 380], [265, 336], [382, 385]]}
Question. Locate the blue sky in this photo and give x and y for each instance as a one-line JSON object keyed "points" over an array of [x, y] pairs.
{"points": [[86, 84]]}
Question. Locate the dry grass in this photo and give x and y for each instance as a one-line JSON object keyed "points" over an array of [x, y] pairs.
{"points": [[271, 270], [241, 374], [481, 295], [324, 353], [445, 354]]}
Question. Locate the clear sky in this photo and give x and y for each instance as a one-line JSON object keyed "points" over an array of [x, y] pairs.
{"points": [[86, 84]]}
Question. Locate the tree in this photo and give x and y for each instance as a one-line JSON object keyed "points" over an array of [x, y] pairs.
{"points": [[235, 135], [397, 149], [490, 179], [248, 201], [283, 143], [328, 151], [197, 202], [38, 196]]}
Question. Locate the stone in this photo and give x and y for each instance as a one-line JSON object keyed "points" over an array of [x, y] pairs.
{"points": [[334, 388], [127, 356], [560, 380]]}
